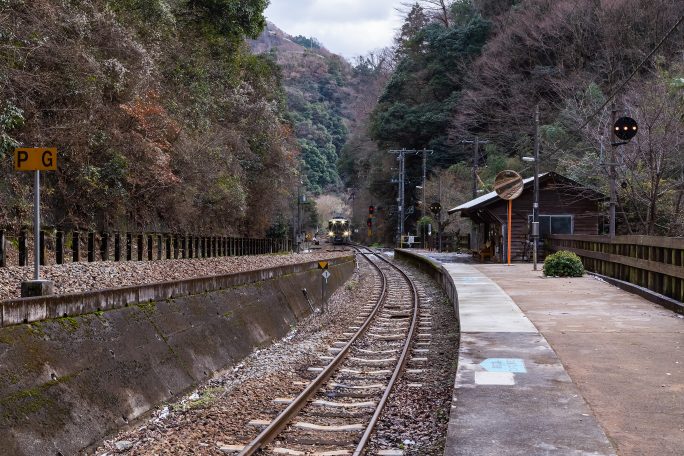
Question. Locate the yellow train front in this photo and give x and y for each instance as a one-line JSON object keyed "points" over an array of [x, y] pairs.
{"points": [[339, 230]]}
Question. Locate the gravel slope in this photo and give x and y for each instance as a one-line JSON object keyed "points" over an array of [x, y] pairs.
{"points": [[79, 277]]}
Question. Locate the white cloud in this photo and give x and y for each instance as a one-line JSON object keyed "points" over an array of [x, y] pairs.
{"points": [[346, 27]]}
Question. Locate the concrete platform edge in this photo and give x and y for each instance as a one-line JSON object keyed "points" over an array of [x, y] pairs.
{"points": [[645, 293]]}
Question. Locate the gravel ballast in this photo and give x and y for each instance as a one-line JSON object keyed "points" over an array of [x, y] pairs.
{"points": [[415, 418], [215, 416], [80, 277]]}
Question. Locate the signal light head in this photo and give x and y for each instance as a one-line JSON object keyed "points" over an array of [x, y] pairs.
{"points": [[626, 128]]}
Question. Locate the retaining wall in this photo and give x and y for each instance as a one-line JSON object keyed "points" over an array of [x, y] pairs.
{"points": [[68, 381], [434, 270]]}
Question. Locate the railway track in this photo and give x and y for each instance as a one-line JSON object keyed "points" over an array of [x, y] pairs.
{"points": [[338, 409]]}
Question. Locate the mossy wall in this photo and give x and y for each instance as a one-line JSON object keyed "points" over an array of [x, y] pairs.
{"points": [[65, 383]]}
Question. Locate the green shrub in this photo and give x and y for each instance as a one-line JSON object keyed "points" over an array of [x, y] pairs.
{"points": [[563, 264]]}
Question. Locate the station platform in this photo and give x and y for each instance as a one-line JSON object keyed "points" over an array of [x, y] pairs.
{"points": [[552, 366]]}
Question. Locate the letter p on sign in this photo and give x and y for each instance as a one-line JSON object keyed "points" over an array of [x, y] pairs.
{"points": [[35, 159]]}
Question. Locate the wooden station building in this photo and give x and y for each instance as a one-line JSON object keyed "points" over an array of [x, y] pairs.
{"points": [[565, 207]]}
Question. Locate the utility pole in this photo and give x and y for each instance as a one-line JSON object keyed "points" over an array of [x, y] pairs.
{"points": [[535, 205], [476, 159], [612, 176], [423, 209], [299, 215], [439, 217], [401, 156]]}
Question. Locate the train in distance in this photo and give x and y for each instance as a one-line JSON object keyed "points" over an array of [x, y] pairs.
{"points": [[339, 230]]}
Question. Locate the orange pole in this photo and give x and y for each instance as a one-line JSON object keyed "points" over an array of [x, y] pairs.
{"points": [[510, 217]]}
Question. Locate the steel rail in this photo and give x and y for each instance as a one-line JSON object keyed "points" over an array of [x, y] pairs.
{"points": [[400, 365], [284, 418]]}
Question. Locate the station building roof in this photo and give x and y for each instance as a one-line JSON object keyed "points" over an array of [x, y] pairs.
{"points": [[492, 197]]}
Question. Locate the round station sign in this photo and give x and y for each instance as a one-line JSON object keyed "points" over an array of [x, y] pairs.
{"points": [[508, 184]]}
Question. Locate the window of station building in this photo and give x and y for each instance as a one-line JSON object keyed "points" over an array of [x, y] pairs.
{"points": [[554, 224]]}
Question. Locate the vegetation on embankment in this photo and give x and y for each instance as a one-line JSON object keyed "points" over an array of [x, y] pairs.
{"points": [[162, 116]]}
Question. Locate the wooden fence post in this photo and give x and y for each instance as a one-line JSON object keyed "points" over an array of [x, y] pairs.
{"points": [[190, 246], [91, 246], [75, 246], [117, 246], [160, 242], [139, 249], [129, 246], [168, 246], [23, 254], [41, 252], [104, 246], [150, 250], [3, 254]]}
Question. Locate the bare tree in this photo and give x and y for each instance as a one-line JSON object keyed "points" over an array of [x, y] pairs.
{"points": [[652, 164], [438, 10]]}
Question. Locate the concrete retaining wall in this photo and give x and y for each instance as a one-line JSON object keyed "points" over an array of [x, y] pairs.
{"points": [[66, 382], [434, 270]]}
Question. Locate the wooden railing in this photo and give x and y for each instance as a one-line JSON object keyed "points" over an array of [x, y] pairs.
{"points": [[652, 262], [58, 247]]}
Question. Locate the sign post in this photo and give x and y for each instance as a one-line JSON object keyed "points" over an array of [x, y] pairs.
{"points": [[508, 185], [325, 276], [37, 160]]}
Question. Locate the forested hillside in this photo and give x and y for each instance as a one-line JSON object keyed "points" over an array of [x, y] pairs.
{"points": [[163, 117], [317, 87], [477, 69]]}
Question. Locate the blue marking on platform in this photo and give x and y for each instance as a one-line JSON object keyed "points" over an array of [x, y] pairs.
{"points": [[504, 365]]}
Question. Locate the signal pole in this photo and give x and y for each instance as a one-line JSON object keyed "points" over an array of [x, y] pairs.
{"points": [[535, 205], [612, 177]]}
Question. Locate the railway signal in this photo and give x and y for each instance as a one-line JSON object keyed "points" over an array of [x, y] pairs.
{"points": [[369, 222], [625, 128], [435, 208]]}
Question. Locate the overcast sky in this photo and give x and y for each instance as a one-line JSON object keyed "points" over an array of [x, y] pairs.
{"points": [[345, 27]]}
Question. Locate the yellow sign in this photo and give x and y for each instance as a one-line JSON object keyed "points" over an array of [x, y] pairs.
{"points": [[35, 159], [322, 265]]}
